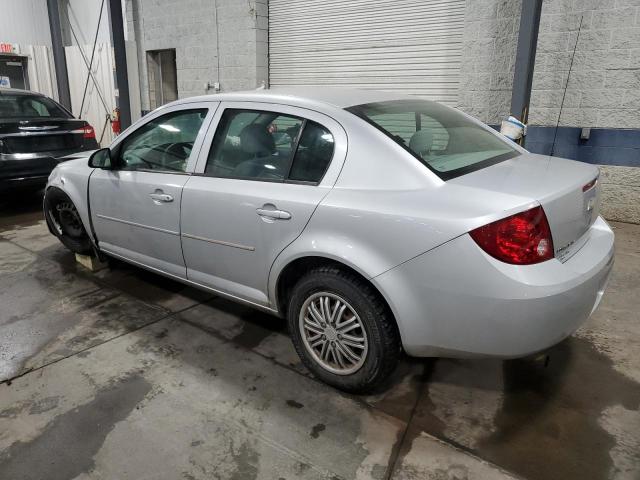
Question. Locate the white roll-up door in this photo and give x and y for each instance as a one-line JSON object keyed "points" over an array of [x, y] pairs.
{"points": [[407, 46]]}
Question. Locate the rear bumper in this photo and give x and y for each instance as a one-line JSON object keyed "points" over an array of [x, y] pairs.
{"points": [[457, 301]]}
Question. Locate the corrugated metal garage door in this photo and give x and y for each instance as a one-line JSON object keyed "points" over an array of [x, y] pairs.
{"points": [[408, 46]]}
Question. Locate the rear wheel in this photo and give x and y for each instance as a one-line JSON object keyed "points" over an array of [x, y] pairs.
{"points": [[65, 221], [342, 330]]}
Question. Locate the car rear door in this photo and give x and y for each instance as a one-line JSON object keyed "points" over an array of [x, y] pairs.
{"points": [[135, 207], [261, 174]]}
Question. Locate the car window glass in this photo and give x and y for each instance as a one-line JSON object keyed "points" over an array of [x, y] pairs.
{"points": [[444, 139], [313, 154], [404, 125], [29, 106], [164, 143], [39, 107], [253, 145]]}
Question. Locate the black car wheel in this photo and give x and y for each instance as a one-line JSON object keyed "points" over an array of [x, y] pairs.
{"points": [[343, 330], [63, 217]]}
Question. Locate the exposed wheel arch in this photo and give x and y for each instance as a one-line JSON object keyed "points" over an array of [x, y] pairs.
{"points": [[296, 269], [63, 221]]}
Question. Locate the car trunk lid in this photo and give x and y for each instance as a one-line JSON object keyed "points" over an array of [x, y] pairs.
{"points": [[567, 190], [41, 135]]}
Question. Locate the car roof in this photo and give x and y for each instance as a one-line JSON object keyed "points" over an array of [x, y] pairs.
{"points": [[336, 97], [15, 91]]}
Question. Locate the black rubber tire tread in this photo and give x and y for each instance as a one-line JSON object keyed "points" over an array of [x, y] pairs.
{"points": [[81, 245], [383, 337]]}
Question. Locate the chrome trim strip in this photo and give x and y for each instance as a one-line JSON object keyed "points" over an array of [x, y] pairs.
{"points": [[191, 282], [36, 133], [41, 128], [134, 224], [219, 242]]}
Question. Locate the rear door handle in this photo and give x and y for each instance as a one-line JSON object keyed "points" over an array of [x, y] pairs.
{"points": [[161, 197], [275, 214]]}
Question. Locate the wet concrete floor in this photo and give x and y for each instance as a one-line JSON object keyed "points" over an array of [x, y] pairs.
{"points": [[124, 374]]}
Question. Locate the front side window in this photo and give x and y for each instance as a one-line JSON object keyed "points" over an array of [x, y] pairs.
{"points": [[164, 143], [269, 146], [442, 138]]}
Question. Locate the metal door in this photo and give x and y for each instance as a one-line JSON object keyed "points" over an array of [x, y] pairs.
{"points": [[406, 46], [233, 229], [136, 212]]}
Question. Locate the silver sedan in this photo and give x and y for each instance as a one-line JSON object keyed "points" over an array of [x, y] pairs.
{"points": [[374, 223]]}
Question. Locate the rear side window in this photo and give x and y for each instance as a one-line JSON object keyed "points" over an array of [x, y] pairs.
{"points": [[314, 154], [269, 146]]}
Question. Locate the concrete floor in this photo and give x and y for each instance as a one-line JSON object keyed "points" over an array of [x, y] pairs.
{"points": [[123, 374]]}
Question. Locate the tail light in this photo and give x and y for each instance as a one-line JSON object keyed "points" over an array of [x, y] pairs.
{"points": [[521, 239], [88, 132]]}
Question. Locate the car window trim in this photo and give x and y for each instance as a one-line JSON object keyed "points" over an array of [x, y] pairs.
{"points": [[149, 170], [326, 168], [285, 179], [116, 149], [326, 120], [294, 150]]}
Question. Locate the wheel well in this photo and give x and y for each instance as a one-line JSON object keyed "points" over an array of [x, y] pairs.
{"points": [[295, 270]]}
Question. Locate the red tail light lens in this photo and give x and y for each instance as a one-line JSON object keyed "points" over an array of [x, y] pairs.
{"points": [[89, 132], [521, 239]]}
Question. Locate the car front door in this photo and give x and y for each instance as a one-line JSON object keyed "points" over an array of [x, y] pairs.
{"points": [[263, 171], [135, 206]]}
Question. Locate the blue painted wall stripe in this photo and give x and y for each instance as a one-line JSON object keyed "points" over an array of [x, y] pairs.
{"points": [[605, 146]]}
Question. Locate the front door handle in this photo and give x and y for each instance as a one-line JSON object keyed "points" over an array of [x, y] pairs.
{"points": [[275, 214], [161, 197]]}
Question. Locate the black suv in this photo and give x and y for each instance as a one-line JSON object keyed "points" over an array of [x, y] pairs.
{"points": [[35, 132]]}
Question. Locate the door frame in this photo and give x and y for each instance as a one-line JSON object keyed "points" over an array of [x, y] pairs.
{"points": [[212, 105], [24, 60], [336, 129]]}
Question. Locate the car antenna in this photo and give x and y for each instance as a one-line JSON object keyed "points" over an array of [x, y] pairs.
{"points": [[555, 133]]}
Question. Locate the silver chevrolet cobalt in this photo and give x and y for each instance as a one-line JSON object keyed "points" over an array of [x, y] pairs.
{"points": [[372, 222]]}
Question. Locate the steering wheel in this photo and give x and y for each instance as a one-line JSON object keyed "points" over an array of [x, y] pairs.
{"points": [[176, 154], [180, 150]]}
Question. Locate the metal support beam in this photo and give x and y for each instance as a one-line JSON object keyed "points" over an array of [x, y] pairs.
{"points": [[120, 54], [59, 57], [525, 58]]}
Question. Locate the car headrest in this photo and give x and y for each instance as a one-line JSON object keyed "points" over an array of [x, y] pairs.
{"points": [[256, 140], [421, 142]]}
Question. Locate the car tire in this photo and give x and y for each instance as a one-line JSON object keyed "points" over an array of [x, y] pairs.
{"points": [[64, 220], [379, 349]]}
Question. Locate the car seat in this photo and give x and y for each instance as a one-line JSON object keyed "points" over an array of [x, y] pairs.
{"points": [[258, 144], [421, 142]]}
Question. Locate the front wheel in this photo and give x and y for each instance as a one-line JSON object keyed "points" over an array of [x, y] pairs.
{"points": [[63, 217], [342, 330]]}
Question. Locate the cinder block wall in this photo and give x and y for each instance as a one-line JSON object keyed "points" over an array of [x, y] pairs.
{"points": [[215, 41], [603, 87]]}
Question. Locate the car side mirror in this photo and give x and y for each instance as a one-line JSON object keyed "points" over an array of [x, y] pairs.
{"points": [[101, 159]]}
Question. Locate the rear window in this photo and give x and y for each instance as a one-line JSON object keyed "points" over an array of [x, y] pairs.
{"points": [[442, 138], [29, 106]]}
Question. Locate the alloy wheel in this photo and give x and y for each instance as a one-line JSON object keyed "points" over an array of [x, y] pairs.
{"points": [[333, 333]]}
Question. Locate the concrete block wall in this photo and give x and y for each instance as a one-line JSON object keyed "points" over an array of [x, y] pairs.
{"points": [[604, 84], [215, 41], [603, 87], [488, 58]]}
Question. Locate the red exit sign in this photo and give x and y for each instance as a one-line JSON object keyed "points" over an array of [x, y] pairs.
{"points": [[6, 48]]}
